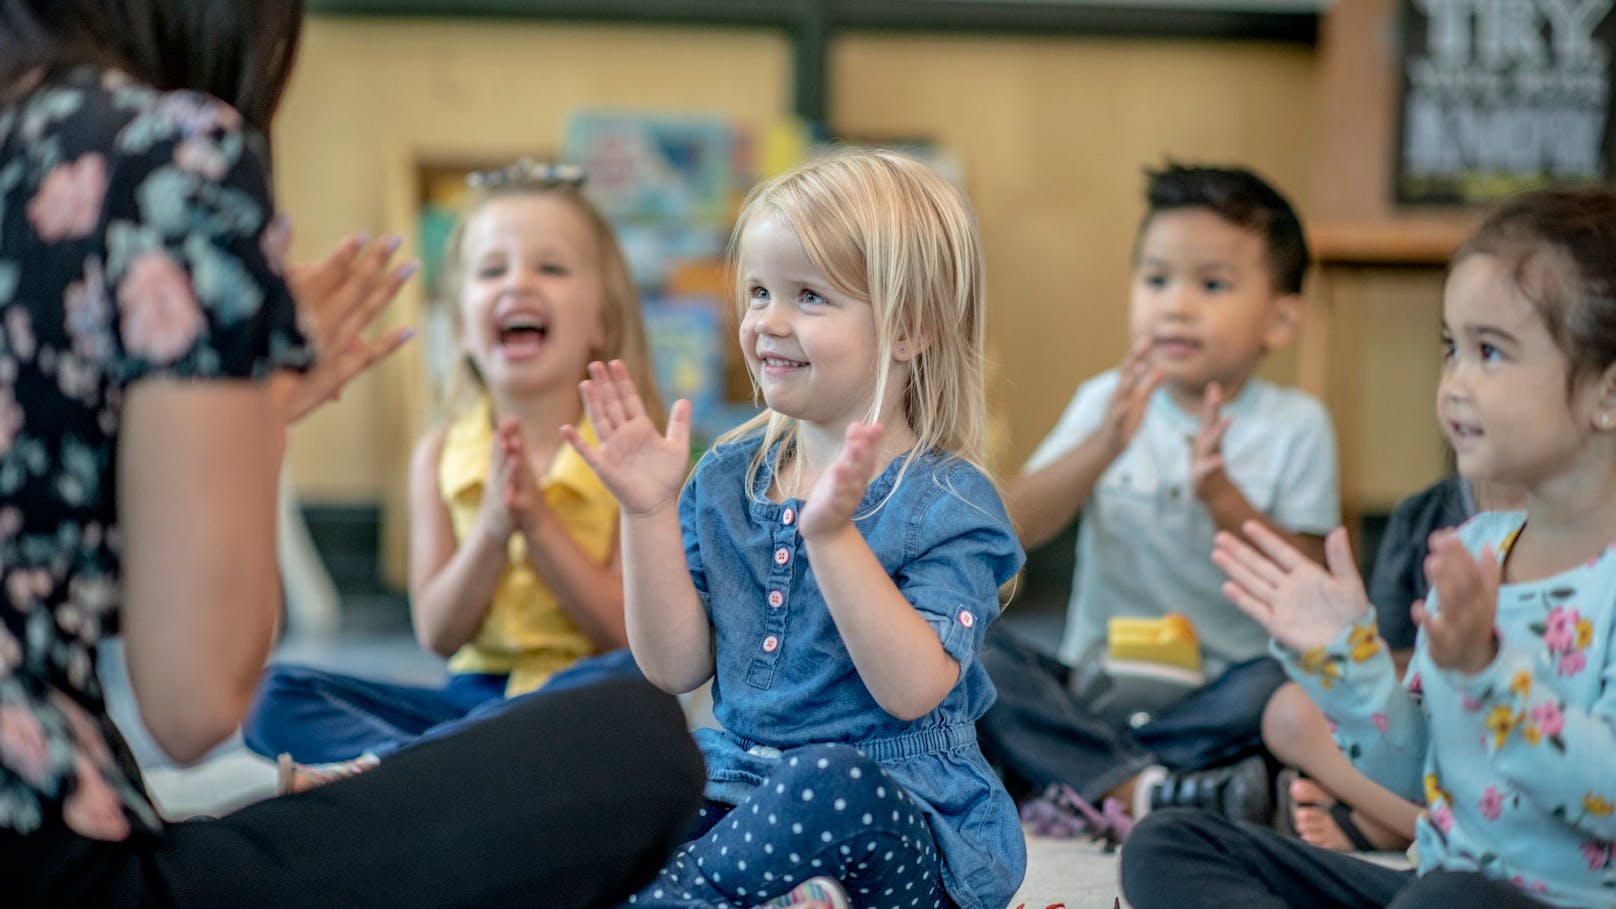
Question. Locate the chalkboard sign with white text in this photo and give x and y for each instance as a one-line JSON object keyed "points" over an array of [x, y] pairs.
{"points": [[1500, 96]]}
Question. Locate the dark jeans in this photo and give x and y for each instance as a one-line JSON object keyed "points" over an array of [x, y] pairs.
{"points": [[1183, 859], [565, 800], [1038, 733], [318, 716]]}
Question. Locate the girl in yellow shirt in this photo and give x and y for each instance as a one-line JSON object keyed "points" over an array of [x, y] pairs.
{"points": [[514, 569]]}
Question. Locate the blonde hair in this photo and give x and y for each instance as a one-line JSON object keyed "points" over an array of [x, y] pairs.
{"points": [[884, 228], [622, 324]]}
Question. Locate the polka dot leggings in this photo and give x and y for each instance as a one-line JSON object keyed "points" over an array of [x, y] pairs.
{"points": [[827, 811]]}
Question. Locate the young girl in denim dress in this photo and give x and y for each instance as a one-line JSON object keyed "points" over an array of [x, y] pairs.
{"points": [[1505, 722], [833, 563]]}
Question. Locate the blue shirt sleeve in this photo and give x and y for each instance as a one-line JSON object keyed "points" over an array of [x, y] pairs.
{"points": [[689, 509], [961, 549]]}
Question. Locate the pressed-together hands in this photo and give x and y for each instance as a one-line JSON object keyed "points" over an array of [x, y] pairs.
{"points": [[512, 500], [1304, 605], [642, 467], [338, 298]]}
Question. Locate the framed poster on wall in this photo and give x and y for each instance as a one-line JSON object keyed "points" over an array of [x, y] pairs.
{"points": [[1500, 96]]}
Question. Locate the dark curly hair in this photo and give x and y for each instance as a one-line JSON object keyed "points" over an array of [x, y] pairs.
{"points": [[1242, 198]]}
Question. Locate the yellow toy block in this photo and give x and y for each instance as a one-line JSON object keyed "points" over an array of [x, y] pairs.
{"points": [[1169, 640]]}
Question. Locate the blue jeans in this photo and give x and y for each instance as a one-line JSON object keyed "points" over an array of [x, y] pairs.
{"points": [[1038, 733], [318, 716], [828, 810]]}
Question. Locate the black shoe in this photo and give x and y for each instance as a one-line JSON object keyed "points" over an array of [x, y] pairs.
{"points": [[1240, 791]]}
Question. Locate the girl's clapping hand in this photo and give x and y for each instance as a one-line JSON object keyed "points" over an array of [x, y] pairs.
{"points": [[841, 487], [643, 468], [1461, 637], [1299, 602]]}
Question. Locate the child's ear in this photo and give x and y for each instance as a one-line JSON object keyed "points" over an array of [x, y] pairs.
{"points": [[1284, 317], [1605, 406], [909, 345]]}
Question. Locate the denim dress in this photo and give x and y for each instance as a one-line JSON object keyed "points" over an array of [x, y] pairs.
{"points": [[784, 678]]}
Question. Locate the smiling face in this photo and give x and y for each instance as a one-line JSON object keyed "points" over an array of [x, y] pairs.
{"points": [[812, 350], [531, 294], [1504, 400], [1203, 294]]}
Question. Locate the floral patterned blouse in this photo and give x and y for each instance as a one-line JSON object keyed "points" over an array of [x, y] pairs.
{"points": [[1516, 764], [137, 238]]}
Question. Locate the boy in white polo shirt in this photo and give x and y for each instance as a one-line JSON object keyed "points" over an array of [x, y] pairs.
{"points": [[1155, 457]]}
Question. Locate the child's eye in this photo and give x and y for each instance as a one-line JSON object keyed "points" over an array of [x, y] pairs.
{"points": [[1448, 348], [1489, 353], [1215, 285], [490, 271], [552, 268], [1155, 282], [811, 298], [757, 295]]}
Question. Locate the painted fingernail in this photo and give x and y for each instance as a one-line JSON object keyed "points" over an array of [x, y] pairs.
{"points": [[406, 334], [362, 238], [391, 244], [408, 270]]}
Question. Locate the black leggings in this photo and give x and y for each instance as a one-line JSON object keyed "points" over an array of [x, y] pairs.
{"points": [[573, 800], [1182, 859]]}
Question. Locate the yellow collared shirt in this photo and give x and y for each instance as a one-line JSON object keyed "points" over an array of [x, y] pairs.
{"points": [[525, 633]]}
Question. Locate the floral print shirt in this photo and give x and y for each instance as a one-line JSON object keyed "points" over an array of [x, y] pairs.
{"points": [[1516, 764], [137, 239]]}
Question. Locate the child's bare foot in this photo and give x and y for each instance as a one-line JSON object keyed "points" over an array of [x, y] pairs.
{"points": [[1326, 822], [294, 777]]}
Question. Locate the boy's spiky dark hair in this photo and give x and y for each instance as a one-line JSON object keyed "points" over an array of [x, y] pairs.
{"points": [[1242, 198]]}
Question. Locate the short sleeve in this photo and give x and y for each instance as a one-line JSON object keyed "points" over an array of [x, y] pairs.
{"points": [[192, 247], [964, 550], [1309, 499], [1080, 419], [689, 512]]}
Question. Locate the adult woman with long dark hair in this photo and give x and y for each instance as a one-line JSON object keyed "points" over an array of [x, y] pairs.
{"points": [[153, 350]]}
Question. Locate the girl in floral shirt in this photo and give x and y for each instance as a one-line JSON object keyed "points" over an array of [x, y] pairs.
{"points": [[1505, 725]]}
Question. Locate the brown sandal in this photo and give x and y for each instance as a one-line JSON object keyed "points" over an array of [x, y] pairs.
{"points": [[292, 777]]}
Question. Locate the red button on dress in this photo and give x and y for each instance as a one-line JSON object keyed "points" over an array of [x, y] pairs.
{"points": [[782, 556], [771, 644], [788, 516], [776, 599], [966, 618]]}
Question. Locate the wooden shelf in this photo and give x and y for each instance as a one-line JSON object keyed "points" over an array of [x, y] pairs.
{"points": [[1426, 240]]}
